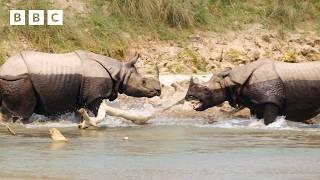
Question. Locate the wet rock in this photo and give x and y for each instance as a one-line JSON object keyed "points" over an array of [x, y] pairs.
{"points": [[56, 135], [244, 113]]}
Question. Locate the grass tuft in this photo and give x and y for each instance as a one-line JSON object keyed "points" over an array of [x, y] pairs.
{"points": [[107, 27]]}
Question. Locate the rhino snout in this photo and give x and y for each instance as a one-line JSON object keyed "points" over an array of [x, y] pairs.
{"points": [[158, 92]]}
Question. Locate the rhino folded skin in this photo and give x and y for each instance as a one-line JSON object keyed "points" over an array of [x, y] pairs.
{"points": [[293, 87], [53, 84]]}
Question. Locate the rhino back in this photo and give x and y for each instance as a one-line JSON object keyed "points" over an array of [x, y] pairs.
{"points": [[302, 84], [56, 79], [13, 67], [112, 66], [108, 80], [264, 85], [96, 82]]}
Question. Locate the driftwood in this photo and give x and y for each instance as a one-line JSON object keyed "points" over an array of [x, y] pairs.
{"points": [[56, 135], [105, 109], [11, 131]]}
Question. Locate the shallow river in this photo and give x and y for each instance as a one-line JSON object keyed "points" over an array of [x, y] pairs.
{"points": [[232, 149]]}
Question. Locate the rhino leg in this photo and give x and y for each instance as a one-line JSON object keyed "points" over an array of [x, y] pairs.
{"points": [[270, 113], [18, 99], [94, 106], [3, 115], [258, 112]]}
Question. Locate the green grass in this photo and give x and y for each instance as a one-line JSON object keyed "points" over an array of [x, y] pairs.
{"points": [[110, 25], [2, 60]]}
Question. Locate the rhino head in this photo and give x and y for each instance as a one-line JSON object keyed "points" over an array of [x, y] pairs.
{"points": [[139, 85], [208, 94]]}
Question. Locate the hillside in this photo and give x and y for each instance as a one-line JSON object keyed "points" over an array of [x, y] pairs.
{"points": [[181, 36]]}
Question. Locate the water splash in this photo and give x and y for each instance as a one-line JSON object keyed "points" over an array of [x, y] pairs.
{"points": [[253, 123], [64, 120], [71, 120]]}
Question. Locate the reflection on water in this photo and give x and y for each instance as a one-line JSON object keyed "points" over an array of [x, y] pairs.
{"points": [[58, 145], [158, 151]]}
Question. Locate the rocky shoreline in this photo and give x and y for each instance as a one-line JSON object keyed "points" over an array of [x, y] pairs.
{"points": [[205, 52]]}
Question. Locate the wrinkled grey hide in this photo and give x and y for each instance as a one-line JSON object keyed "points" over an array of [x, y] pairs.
{"points": [[268, 88], [52, 84]]}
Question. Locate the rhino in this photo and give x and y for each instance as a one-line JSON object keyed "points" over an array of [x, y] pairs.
{"points": [[53, 84], [268, 88]]}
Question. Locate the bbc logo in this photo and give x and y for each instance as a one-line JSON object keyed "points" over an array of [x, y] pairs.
{"points": [[36, 17]]}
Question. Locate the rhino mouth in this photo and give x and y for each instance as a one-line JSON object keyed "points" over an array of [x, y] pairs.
{"points": [[197, 105], [151, 94], [154, 93]]}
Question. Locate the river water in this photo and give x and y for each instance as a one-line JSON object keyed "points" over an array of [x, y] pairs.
{"points": [[228, 149], [172, 146]]}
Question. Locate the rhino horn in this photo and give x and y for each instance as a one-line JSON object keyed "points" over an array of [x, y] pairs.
{"points": [[194, 80], [133, 60], [191, 80]]}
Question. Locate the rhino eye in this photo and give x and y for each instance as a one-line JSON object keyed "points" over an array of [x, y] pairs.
{"points": [[190, 97], [144, 82]]}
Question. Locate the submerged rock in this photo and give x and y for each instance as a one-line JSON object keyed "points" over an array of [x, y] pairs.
{"points": [[56, 135]]}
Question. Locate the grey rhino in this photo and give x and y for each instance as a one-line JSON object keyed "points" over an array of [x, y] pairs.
{"points": [[268, 88], [52, 84]]}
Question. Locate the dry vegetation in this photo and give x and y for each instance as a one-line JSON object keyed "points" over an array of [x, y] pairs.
{"points": [[108, 26]]}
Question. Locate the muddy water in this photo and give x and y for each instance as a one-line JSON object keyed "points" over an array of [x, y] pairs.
{"points": [[231, 149]]}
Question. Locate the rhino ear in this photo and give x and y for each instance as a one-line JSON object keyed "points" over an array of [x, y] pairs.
{"points": [[225, 72], [194, 81], [133, 60]]}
